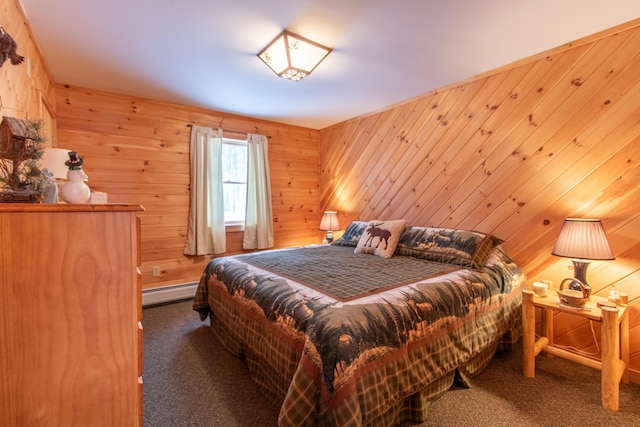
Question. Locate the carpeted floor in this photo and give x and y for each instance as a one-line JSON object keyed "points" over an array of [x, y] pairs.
{"points": [[189, 380]]}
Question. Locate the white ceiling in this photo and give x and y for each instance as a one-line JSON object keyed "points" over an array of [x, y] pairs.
{"points": [[203, 52]]}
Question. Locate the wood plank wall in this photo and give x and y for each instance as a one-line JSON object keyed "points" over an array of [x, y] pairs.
{"points": [[137, 151], [512, 152], [26, 90]]}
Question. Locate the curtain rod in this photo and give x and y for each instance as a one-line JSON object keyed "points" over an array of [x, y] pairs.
{"points": [[229, 130]]}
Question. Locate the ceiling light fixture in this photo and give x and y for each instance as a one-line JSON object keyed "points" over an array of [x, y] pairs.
{"points": [[292, 56]]}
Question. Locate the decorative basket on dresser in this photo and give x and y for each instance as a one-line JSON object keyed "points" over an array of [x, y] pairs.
{"points": [[70, 310]]}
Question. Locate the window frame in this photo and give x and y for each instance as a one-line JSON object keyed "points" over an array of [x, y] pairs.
{"points": [[234, 225]]}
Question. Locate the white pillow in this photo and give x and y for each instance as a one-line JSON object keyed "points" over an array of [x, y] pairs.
{"points": [[380, 238]]}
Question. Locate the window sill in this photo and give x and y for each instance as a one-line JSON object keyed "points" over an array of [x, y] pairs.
{"points": [[234, 228]]}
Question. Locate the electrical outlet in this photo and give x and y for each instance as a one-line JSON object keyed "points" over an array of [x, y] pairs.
{"points": [[155, 271]]}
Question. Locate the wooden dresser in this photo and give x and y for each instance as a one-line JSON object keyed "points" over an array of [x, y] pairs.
{"points": [[70, 315]]}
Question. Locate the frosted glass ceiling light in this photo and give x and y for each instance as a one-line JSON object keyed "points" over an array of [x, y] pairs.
{"points": [[292, 56]]}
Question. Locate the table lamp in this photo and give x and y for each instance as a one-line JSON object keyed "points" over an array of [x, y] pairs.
{"points": [[53, 159], [330, 224], [582, 240]]}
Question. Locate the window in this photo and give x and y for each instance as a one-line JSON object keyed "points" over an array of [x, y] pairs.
{"points": [[234, 177], [237, 197]]}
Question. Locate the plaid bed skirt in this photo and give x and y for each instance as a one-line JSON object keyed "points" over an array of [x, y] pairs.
{"points": [[390, 390]]}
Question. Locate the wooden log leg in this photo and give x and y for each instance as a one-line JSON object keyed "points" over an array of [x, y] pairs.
{"points": [[548, 326], [528, 335], [610, 359], [624, 345]]}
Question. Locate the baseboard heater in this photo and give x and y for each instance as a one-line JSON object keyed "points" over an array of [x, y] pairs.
{"points": [[168, 294]]}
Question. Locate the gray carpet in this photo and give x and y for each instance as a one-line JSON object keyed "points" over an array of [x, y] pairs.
{"points": [[189, 380]]}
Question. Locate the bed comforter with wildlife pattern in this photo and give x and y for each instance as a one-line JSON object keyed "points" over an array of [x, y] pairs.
{"points": [[344, 339]]}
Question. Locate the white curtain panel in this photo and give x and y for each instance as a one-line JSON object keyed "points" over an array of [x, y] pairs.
{"points": [[206, 230], [258, 226]]}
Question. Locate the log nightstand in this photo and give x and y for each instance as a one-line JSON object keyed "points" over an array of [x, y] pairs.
{"points": [[614, 362]]}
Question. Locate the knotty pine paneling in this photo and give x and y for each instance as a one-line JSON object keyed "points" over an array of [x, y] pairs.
{"points": [[26, 90], [512, 152], [137, 151]]}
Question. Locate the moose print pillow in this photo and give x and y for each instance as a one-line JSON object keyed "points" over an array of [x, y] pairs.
{"points": [[380, 238]]}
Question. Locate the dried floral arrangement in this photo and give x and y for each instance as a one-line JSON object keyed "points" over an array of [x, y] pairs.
{"points": [[21, 145]]}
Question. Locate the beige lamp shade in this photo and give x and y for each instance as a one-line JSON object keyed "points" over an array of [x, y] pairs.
{"points": [[583, 239], [54, 159], [330, 221]]}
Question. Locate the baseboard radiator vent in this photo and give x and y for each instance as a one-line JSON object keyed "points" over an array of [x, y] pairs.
{"points": [[168, 294]]}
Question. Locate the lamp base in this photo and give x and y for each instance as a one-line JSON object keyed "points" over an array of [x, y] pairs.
{"points": [[580, 273], [329, 237]]}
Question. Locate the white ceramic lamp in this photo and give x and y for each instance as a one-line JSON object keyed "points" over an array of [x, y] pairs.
{"points": [[53, 160]]}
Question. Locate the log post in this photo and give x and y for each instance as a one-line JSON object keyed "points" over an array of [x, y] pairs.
{"points": [[610, 358], [528, 334]]}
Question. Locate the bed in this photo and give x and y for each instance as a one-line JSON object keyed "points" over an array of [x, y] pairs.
{"points": [[369, 329]]}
